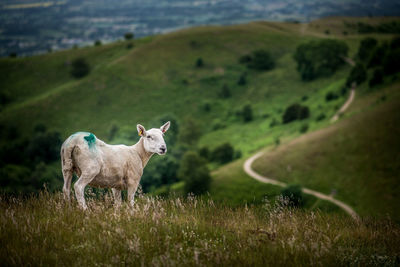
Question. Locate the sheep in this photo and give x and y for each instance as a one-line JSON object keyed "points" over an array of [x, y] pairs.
{"points": [[98, 164]]}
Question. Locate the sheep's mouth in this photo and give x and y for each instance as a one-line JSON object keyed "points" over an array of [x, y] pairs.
{"points": [[162, 152]]}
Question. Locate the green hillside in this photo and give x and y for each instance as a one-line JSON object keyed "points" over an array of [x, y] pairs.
{"points": [[145, 80], [358, 156]]}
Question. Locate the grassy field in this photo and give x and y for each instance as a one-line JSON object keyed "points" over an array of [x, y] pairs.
{"points": [[358, 156], [158, 76], [44, 230]]}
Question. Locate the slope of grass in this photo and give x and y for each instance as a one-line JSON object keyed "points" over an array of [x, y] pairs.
{"points": [[158, 76], [174, 232], [358, 156]]}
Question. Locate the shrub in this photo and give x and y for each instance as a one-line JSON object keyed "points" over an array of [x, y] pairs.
{"points": [[391, 63], [129, 46], [129, 36], [190, 132], [223, 153], [294, 195], [295, 112], [247, 113], [320, 117], [319, 58], [304, 128], [331, 96], [97, 43], [194, 172], [12, 55], [242, 80], [261, 60], [358, 75], [273, 123], [225, 92], [80, 68], [199, 62], [204, 152], [44, 147], [245, 59], [304, 98], [377, 77], [378, 55], [366, 46]]}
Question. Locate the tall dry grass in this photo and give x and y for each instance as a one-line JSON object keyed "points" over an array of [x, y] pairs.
{"points": [[44, 230]]}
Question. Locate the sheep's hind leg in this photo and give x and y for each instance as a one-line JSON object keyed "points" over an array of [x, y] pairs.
{"points": [[80, 185], [67, 174], [117, 197]]}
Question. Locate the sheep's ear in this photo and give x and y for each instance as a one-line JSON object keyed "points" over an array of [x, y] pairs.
{"points": [[141, 130], [165, 127]]}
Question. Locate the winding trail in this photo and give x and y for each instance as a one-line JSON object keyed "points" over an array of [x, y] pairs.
{"points": [[247, 164], [247, 168]]}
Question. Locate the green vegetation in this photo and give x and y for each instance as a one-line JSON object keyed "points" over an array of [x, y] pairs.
{"points": [[80, 68], [293, 195], [258, 60], [357, 75], [194, 172], [295, 112], [45, 231], [129, 36], [357, 157], [320, 58], [223, 153]]}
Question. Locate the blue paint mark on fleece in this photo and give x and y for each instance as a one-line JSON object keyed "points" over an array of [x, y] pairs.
{"points": [[90, 139]]}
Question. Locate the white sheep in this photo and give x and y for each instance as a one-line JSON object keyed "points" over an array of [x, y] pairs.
{"points": [[108, 166]]}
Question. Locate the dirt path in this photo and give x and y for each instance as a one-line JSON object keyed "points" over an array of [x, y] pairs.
{"points": [[247, 168], [345, 105]]}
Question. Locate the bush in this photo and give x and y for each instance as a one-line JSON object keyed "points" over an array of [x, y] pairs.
{"points": [[190, 132], [319, 58], [273, 123], [44, 147], [366, 46], [244, 59], [331, 96], [294, 195], [225, 92], [199, 62], [378, 55], [194, 172], [129, 46], [391, 63], [129, 36], [97, 43], [320, 117], [242, 80], [80, 68], [247, 113], [295, 112], [377, 77], [358, 75], [261, 60], [204, 152], [304, 128], [223, 153]]}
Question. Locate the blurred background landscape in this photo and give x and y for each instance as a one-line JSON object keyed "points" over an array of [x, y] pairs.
{"points": [[234, 78]]}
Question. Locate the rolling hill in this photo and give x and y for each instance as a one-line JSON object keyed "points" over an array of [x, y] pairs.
{"points": [[158, 76]]}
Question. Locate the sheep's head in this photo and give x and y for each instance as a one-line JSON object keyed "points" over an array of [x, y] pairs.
{"points": [[153, 139]]}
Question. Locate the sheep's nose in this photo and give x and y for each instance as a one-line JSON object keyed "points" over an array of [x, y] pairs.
{"points": [[163, 148]]}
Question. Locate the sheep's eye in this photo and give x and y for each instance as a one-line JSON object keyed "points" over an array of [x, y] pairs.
{"points": [[148, 136]]}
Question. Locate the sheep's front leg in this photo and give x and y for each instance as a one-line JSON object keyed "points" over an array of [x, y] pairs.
{"points": [[132, 187], [117, 197]]}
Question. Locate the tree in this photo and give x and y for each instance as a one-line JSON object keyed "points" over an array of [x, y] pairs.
{"points": [[80, 68], [199, 62], [247, 113], [129, 36], [242, 79], [194, 172], [261, 60], [97, 43], [295, 112], [367, 45], [225, 92], [377, 77], [391, 63], [320, 58], [190, 132], [358, 75], [223, 153]]}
